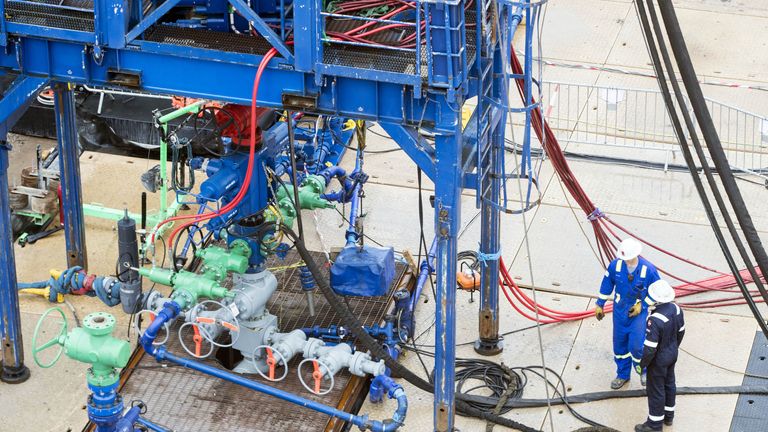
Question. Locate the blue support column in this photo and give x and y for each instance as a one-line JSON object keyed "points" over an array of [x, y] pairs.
{"points": [[448, 182], [13, 103], [69, 164], [14, 370], [489, 343]]}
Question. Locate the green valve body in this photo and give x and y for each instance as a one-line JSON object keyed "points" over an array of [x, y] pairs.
{"points": [[218, 261], [188, 286], [309, 193], [93, 343]]}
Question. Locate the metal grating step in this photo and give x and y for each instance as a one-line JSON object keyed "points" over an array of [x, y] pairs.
{"points": [[206, 39], [382, 59], [45, 15], [189, 401]]}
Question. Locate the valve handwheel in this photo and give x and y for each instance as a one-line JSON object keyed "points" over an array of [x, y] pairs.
{"points": [[57, 340], [233, 325], [274, 359], [198, 336], [317, 376]]}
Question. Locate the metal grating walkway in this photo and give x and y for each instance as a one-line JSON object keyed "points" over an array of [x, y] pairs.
{"points": [[189, 401], [206, 39], [46, 15]]}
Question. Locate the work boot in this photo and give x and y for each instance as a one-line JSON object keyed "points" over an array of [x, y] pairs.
{"points": [[643, 377], [645, 427], [618, 383], [668, 420]]}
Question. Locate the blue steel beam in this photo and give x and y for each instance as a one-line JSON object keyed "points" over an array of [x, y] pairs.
{"points": [[13, 104], [263, 29], [416, 147], [16, 100], [164, 69], [69, 167], [150, 19], [448, 181]]}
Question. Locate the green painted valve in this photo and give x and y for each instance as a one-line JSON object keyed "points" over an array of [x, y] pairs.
{"points": [[309, 193], [92, 343], [217, 261], [188, 286]]}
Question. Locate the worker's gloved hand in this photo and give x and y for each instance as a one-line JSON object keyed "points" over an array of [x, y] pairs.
{"points": [[638, 369], [599, 314], [635, 309]]}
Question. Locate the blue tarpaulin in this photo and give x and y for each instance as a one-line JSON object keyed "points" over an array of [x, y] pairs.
{"points": [[366, 271]]}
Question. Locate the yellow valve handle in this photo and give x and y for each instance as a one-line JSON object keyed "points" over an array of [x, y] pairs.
{"points": [[348, 125]]}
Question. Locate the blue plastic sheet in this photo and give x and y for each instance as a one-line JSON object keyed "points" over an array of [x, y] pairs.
{"points": [[366, 271]]}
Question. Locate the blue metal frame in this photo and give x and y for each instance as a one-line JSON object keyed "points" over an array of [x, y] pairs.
{"points": [[405, 104], [69, 166], [13, 104]]}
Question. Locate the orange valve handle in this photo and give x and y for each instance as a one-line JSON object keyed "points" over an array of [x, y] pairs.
{"points": [[317, 376], [198, 340], [205, 320], [230, 326], [271, 363]]}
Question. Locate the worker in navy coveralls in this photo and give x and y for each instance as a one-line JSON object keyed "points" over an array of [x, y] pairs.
{"points": [[664, 334], [627, 278]]}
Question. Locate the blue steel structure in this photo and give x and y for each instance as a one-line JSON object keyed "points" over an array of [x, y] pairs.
{"points": [[463, 53]]}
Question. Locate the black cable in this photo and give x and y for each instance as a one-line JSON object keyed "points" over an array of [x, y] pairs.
{"points": [[505, 384], [294, 174], [422, 239], [628, 394], [351, 321], [700, 153], [651, 44], [708, 130]]}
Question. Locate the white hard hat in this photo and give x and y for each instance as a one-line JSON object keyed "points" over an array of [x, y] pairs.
{"points": [[661, 292], [629, 249]]}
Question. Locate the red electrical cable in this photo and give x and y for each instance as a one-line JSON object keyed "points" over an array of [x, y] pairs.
{"points": [[249, 171]]}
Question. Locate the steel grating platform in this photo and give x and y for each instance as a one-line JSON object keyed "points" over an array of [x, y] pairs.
{"points": [[207, 39], [189, 401], [51, 15], [382, 59]]}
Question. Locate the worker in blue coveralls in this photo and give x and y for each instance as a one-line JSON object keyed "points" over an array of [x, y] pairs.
{"points": [[627, 278], [663, 336]]}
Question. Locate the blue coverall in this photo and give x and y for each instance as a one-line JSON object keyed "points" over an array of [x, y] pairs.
{"points": [[627, 288], [664, 334]]}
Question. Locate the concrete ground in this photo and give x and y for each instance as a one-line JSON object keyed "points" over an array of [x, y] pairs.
{"points": [[732, 48]]}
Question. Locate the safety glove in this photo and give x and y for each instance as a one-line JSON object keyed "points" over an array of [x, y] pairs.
{"points": [[599, 314], [638, 369], [635, 309]]}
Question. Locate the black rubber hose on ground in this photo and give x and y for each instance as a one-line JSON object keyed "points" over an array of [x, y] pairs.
{"points": [[613, 394], [699, 105], [352, 323], [672, 111]]}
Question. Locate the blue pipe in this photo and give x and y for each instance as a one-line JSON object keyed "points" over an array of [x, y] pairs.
{"points": [[425, 270], [130, 418], [171, 309], [150, 425]]}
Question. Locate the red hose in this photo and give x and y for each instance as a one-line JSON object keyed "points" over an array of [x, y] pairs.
{"points": [[249, 171]]}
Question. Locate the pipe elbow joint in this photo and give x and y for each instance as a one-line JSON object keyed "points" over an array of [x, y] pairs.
{"points": [[169, 311]]}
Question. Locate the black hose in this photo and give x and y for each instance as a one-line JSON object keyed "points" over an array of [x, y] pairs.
{"points": [[702, 157], [698, 103], [660, 73], [613, 394], [352, 323]]}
